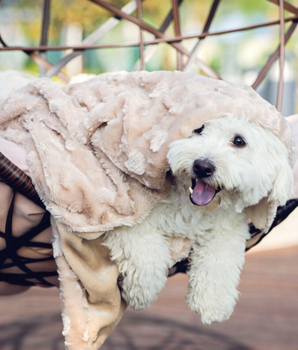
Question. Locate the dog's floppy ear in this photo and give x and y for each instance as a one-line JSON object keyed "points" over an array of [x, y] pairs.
{"points": [[262, 214], [282, 187]]}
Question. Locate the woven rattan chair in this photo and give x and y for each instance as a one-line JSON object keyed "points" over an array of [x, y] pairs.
{"points": [[21, 183]]}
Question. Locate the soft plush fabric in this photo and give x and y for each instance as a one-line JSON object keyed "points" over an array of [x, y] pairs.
{"points": [[82, 318], [97, 156]]}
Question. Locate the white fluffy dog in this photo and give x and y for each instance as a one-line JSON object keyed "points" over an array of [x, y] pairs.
{"points": [[230, 164]]}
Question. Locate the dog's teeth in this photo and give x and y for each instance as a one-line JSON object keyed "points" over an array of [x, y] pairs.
{"points": [[190, 190]]}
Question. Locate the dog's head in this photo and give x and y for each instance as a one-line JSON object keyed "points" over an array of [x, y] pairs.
{"points": [[238, 158]]}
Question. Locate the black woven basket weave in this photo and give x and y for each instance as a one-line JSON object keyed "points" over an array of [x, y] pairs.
{"points": [[21, 182]]}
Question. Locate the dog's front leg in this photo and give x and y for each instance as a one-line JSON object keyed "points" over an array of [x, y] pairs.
{"points": [[216, 262], [143, 257]]}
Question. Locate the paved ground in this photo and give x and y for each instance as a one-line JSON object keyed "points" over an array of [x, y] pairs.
{"points": [[266, 316]]}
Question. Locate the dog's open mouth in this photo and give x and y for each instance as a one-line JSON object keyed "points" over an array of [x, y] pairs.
{"points": [[201, 193]]}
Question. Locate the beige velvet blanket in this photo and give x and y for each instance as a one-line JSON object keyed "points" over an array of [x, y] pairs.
{"points": [[97, 156]]}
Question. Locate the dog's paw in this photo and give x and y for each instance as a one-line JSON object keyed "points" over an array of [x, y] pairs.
{"points": [[137, 298], [140, 293], [212, 307]]}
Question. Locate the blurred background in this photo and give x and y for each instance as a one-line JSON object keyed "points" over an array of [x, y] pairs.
{"points": [[236, 57], [267, 312]]}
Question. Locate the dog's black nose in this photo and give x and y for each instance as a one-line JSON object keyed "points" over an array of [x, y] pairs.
{"points": [[203, 168]]}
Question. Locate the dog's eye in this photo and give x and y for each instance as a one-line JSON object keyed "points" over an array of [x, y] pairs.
{"points": [[239, 142], [199, 130]]}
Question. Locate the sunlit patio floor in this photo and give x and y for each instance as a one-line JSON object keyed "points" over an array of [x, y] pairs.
{"points": [[265, 318]]}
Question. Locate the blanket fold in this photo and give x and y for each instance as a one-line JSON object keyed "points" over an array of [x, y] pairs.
{"points": [[92, 304], [97, 156]]}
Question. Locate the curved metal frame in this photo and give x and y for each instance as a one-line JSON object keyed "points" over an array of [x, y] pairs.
{"points": [[37, 53]]}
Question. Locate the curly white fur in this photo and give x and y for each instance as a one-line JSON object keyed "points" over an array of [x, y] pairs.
{"points": [[219, 230]]}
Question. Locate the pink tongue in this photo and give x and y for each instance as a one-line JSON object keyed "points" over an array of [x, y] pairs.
{"points": [[202, 193]]}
